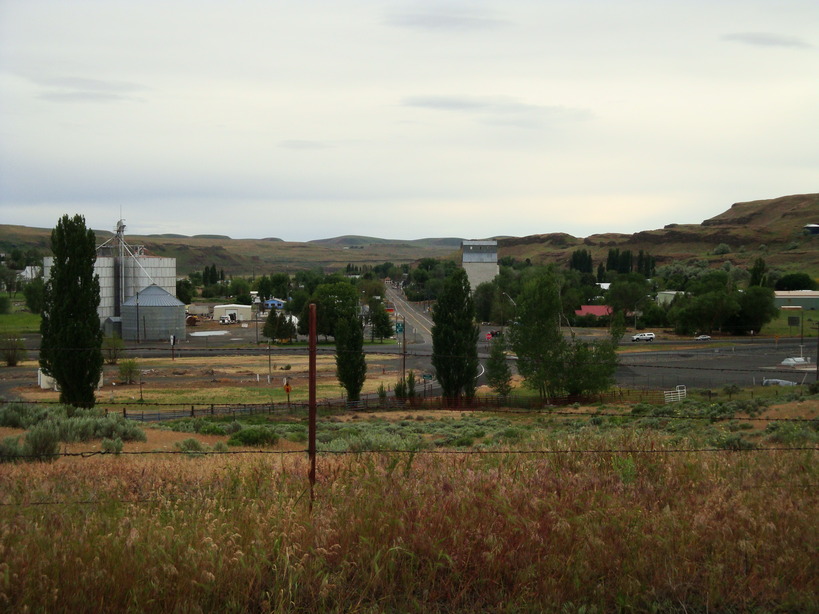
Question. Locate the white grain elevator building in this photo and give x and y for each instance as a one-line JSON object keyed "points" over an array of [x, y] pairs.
{"points": [[123, 271], [480, 261]]}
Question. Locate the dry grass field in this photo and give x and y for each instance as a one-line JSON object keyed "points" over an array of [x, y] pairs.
{"points": [[575, 516]]}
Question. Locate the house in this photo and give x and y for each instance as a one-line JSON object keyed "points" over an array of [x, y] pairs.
{"points": [[273, 303]]}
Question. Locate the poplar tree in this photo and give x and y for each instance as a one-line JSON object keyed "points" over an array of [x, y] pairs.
{"points": [[351, 364], [70, 350], [498, 372], [455, 338]]}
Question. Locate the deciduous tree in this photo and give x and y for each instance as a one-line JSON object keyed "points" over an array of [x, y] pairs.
{"points": [[498, 372], [351, 364], [71, 335], [455, 338]]}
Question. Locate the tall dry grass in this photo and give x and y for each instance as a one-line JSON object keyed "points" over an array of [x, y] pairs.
{"points": [[717, 531]]}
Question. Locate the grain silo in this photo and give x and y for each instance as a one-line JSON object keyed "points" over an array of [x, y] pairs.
{"points": [[153, 314], [124, 270]]}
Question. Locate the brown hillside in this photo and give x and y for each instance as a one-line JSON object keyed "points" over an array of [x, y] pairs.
{"points": [[772, 229]]}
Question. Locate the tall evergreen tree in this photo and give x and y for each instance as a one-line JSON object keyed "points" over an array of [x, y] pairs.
{"points": [[351, 365], [70, 350], [455, 338]]}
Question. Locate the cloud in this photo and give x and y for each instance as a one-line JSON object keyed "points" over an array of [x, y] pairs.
{"points": [[303, 144], [79, 89], [446, 21], [500, 111], [766, 39]]}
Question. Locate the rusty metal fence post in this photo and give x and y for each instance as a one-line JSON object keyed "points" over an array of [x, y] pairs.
{"points": [[311, 421]]}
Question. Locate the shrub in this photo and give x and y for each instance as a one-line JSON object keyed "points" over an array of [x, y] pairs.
{"points": [[12, 349], [254, 436], [112, 446], [212, 429], [792, 433], [42, 441], [297, 436], [191, 446], [112, 348], [128, 371], [15, 416], [10, 449], [734, 441]]}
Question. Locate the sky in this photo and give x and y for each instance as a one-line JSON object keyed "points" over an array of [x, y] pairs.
{"points": [[403, 119]]}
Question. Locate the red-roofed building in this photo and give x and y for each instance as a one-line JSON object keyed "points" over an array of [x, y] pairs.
{"points": [[593, 310]]}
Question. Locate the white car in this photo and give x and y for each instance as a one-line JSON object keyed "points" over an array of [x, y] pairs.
{"points": [[777, 382], [643, 337], [795, 361], [703, 338]]}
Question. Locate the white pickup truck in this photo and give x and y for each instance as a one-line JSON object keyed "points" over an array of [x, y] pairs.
{"points": [[643, 337]]}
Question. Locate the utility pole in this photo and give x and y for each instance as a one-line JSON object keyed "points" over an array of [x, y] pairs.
{"points": [[817, 352], [404, 351]]}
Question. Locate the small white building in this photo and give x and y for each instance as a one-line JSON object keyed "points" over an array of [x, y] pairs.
{"points": [[239, 313]]}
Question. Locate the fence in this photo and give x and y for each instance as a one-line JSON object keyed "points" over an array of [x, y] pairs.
{"points": [[155, 413]]}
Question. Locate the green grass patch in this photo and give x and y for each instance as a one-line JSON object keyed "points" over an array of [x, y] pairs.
{"points": [[19, 323]]}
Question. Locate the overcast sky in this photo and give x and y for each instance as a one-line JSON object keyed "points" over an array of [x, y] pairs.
{"points": [[410, 119]]}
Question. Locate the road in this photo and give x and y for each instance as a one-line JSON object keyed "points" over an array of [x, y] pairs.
{"points": [[656, 365], [660, 364]]}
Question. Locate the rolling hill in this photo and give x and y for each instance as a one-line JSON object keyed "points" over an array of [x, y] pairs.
{"points": [[772, 229]]}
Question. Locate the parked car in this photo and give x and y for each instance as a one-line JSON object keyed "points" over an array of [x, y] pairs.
{"points": [[796, 361], [777, 382], [643, 337], [703, 338]]}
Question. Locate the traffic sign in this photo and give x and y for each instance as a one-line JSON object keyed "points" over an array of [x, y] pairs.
{"points": [[399, 327]]}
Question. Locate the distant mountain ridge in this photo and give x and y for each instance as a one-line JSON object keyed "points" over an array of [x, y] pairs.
{"points": [[772, 229]]}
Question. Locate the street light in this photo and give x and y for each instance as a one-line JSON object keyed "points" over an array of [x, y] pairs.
{"points": [[503, 319]]}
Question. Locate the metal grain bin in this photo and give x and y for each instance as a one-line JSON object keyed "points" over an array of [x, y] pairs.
{"points": [[153, 314]]}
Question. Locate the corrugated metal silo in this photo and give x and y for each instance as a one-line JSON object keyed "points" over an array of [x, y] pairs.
{"points": [[153, 314]]}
